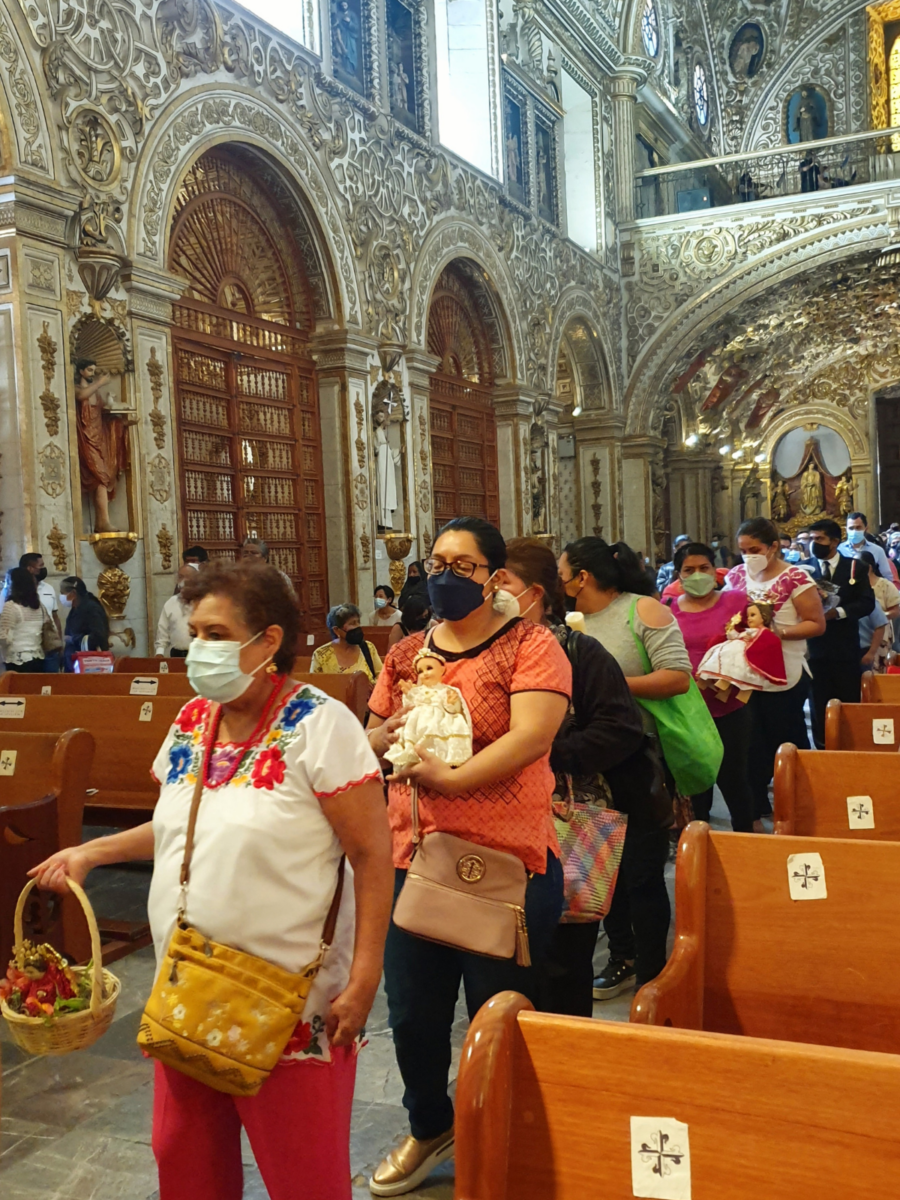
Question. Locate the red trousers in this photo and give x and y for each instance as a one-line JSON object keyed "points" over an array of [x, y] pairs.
{"points": [[298, 1125]]}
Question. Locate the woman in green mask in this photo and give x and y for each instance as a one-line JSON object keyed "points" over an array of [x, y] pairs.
{"points": [[703, 613]]}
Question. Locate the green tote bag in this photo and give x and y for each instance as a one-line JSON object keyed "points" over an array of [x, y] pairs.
{"points": [[687, 733]]}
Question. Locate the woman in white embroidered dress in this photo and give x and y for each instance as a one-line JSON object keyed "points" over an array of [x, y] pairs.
{"points": [[291, 786], [777, 710]]}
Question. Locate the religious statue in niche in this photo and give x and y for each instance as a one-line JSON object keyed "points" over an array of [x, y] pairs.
{"points": [[806, 115], [346, 43], [812, 499], [102, 440], [751, 495], [515, 152], [780, 500], [843, 494], [746, 53], [544, 166], [401, 64]]}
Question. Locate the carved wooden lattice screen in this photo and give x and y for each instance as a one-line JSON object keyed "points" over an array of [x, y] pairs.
{"points": [[251, 450], [463, 427]]}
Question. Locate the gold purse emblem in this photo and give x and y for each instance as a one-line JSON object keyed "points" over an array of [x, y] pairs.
{"points": [[470, 868]]}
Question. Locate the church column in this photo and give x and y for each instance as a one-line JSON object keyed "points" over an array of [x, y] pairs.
{"points": [[342, 361], [552, 408], [514, 410], [692, 493], [643, 485], [598, 449], [623, 91], [420, 366]]}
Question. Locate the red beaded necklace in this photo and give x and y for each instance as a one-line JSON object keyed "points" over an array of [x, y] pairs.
{"points": [[241, 748]]}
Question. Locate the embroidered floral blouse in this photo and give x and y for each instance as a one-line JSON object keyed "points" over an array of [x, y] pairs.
{"points": [[265, 859]]}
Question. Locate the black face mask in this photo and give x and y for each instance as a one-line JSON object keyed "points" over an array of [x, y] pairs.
{"points": [[42, 575], [820, 551], [355, 637], [571, 603]]}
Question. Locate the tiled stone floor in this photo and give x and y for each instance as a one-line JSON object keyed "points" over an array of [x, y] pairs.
{"points": [[78, 1127]]}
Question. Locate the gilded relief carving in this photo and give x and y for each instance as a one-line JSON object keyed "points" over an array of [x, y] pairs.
{"points": [[57, 541], [158, 479], [165, 543], [49, 402], [53, 470], [360, 444], [157, 418]]}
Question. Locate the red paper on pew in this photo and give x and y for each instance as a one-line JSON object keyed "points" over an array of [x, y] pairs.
{"points": [[94, 662]]}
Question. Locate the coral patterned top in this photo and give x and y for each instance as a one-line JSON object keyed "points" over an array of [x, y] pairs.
{"points": [[512, 814], [265, 859]]}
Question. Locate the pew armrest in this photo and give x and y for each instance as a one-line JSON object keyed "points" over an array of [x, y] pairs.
{"points": [[484, 1098], [675, 996]]}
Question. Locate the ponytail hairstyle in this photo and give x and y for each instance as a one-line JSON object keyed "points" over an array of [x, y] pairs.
{"points": [[614, 568]]}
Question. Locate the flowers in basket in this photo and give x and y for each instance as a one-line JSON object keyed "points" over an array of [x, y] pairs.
{"points": [[39, 983]]}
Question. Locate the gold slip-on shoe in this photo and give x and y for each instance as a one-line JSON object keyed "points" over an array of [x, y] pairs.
{"points": [[409, 1163]]}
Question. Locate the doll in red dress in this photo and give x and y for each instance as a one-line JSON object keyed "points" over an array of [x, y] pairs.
{"points": [[750, 659]]}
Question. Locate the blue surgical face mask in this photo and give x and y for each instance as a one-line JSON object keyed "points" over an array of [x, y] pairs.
{"points": [[380, 602], [856, 536], [453, 598], [792, 556], [214, 669]]}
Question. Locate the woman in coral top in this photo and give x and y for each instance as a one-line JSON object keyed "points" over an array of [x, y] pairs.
{"points": [[516, 682]]}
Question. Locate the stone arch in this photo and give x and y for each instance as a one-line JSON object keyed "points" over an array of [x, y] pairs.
{"points": [[203, 119], [458, 240], [824, 414], [576, 306], [647, 387], [22, 105]]}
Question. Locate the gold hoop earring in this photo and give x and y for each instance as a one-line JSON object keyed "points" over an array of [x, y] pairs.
{"points": [[271, 669]]}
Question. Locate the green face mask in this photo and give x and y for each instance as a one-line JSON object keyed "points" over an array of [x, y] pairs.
{"points": [[699, 584]]}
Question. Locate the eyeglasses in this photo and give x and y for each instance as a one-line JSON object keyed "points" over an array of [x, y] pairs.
{"points": [[462, 568]]}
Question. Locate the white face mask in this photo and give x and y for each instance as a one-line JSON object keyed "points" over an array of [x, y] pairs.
{"points": [[506, 603], [214, 669], [755, 564]]}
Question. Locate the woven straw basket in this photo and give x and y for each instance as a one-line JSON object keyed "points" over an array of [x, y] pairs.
{"points": [[68, 1031]]}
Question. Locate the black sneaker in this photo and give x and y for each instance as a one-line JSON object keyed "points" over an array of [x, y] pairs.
{"points": [[615, 978]]}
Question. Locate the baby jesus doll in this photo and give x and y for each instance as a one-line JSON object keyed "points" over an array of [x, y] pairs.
{"points": [[437, 718], [750, 658]]}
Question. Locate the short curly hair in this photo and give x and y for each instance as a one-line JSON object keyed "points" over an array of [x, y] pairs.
{"points": [[262, 595]]}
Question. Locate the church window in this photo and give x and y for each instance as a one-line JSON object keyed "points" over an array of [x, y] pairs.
{"points": [[701, 94], [650, 29], [298, 21], [467, 101], [578, 152]]}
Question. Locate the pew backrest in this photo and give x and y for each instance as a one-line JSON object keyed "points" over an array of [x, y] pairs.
{"points": [[750, 959], [880, 689], [837, 794], [874, 727], [115, 684], [353, 689], [544, 1108], [132, 665], [378, 635]]}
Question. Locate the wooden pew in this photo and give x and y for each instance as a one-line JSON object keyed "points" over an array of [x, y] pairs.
{"points": [[748, 959], [378, 635], [117, 684], [48, 767], [353, 690], [880, 689], [857, 726], [302, 664], [812, 788], [544, 1107], [132, 665]]}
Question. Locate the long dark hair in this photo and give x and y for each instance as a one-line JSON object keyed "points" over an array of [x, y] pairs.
{"points": [[23, 588], [615, 568]]}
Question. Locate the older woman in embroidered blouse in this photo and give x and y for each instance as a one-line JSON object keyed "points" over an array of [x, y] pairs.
{"points": [[291, 786]]}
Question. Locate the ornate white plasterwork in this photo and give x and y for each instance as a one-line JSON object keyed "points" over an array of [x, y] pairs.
{"points": [[30, 133], [576, 302]]}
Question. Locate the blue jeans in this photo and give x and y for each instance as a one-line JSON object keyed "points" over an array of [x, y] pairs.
{"points": [[422, 984], [52, 662]]}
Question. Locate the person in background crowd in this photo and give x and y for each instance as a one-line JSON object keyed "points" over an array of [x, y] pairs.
{"points": [[777, 712], [416, 584], [348, 649], [719, 546], [173, 635], [516, 682], [415, 617], [255, 550], [888, 597], [87, 625], [290, 787], [666, 572], [875, 636], [600, 746], [785, 542], [386, 612], [704, 615], [35, 564], [858, 538], [608, 585], [22, 623], [196, 555], [802, 539], [834, 658]]}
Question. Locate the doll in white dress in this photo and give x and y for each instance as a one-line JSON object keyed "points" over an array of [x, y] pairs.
{"points": [[750, 660], [437, 717]]}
